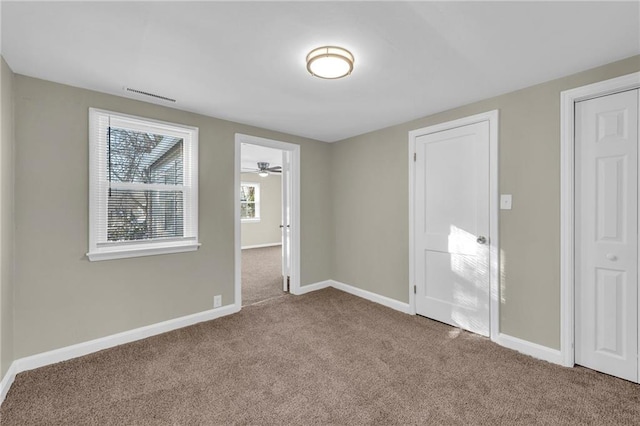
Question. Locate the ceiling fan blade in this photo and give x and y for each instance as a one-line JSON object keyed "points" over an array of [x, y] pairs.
{"points": [[276, 169]]}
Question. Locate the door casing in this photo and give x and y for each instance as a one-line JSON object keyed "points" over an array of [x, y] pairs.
{"points": [[568, 98], [285, 218], [294, 230], [494, 246]]}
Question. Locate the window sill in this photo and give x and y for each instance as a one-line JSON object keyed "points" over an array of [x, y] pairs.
{"points": [[146, 250], [256, 220]]}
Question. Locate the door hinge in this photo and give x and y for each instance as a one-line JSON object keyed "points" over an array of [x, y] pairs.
{"points": [[415, 156], [415, 290]]}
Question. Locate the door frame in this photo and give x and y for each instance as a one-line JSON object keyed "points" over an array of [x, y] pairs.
{"points": [[568, 98], [294, 232], [494, 244]]}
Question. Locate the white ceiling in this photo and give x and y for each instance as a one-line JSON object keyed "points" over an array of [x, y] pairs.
{"points": [[244, 61], [252, 154]]}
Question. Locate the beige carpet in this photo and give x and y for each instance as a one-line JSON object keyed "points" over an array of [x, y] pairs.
{"points": [[323, 358], [261, 274]]}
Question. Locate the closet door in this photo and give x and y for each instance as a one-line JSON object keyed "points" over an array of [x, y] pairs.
{"points": [[606, 206]]}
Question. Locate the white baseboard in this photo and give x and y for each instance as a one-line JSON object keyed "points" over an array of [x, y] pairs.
{"points": [[261, 245], [6, 381], [529, 348], [313, 287], [523, 346], [91, 346], [85, 348], [374, 297]]}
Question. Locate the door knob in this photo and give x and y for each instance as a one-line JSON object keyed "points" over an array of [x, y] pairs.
{"points": [[612, 257], [481, 240]]}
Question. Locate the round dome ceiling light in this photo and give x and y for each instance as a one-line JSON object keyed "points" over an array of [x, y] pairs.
{"points": [[330, 62]]}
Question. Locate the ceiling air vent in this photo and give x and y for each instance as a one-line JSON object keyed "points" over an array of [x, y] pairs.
{"points": [[153, 95]]}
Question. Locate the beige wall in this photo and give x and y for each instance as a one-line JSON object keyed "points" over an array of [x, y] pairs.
{"points": [[6, 217], [267, 231], [370, 204], [60, 297], [354, 215]]}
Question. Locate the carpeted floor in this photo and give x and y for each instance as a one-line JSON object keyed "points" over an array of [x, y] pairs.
{"points": [[261, 274], [326, 357]]}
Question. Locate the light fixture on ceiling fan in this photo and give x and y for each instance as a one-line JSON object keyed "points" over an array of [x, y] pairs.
{"points": [[264, 169]]}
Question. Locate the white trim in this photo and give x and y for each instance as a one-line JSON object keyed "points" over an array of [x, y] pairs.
{"points": [[568, 98], [365, 294], [91, 346], [95, 345], [528, 348], [412, 242], [250, 220], [373, 297], [122, 252], [133, 120], [494, 222], [304, 289], [262, 245], [7, 381], [494, 208], [237, 244], [294, 150]]}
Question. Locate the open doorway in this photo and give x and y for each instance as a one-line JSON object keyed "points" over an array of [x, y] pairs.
{"points": [[261, 223], [267, 206]]}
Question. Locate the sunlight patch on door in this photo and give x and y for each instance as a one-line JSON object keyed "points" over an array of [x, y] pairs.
{"points": [[470, 266]]}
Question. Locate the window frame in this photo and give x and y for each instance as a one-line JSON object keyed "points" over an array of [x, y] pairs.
{"points": [[99, 247], [257, 203]]}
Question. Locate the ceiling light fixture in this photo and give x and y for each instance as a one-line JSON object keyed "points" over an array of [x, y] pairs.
{"points": [[263, 173], [330, 62]]}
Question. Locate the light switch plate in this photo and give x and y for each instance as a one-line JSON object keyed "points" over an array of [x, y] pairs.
{"points": [[505, 201]]}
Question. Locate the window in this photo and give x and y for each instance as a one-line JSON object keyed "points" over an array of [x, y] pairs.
{"points": [[143, 192], [250, 202]]}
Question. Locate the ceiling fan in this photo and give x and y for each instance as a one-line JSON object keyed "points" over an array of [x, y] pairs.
{"points": [[264, 169]]}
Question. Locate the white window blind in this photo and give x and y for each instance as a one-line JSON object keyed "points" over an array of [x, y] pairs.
{"points": [[143, 186]]}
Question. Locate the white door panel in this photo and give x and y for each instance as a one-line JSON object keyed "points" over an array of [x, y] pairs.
{"points": [[606, 286], [452, 211]]}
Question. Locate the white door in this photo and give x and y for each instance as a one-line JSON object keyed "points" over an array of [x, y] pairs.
{"points": [[286, 219], [452, 227], [606, 246]]}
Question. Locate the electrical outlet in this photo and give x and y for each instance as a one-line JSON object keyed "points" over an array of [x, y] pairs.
{"points": [[217, 301]]}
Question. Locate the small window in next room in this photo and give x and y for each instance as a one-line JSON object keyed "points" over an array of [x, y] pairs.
{"points": [[143, 191], [250, 202]]}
